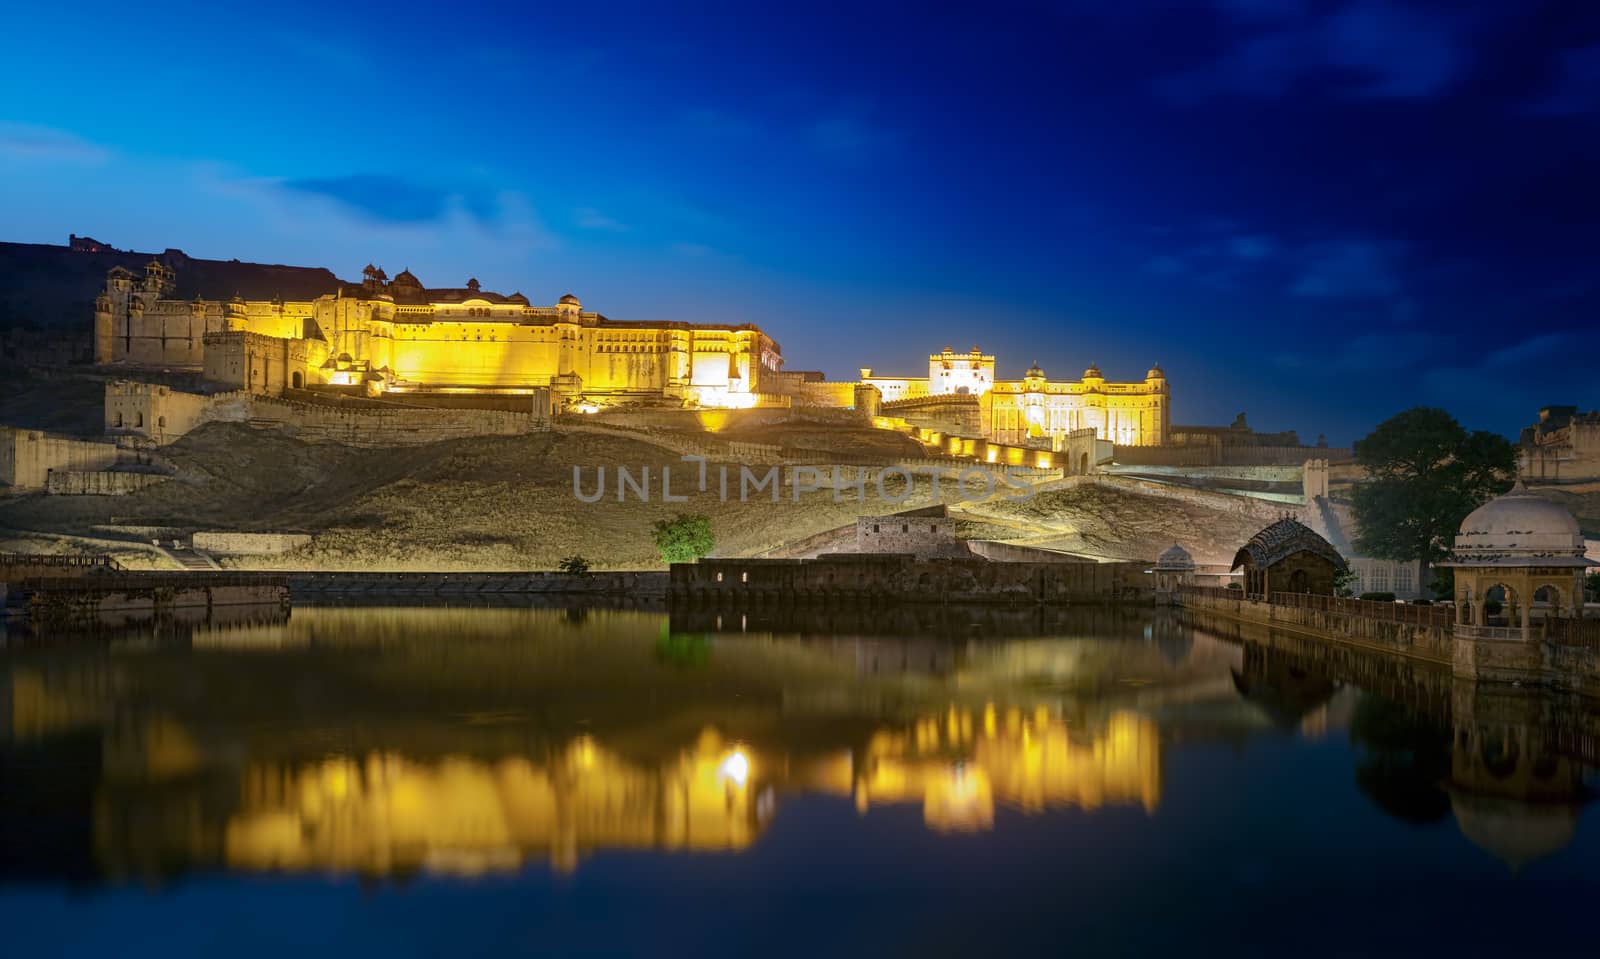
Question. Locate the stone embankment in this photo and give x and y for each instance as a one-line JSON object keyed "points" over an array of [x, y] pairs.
{"points": [[123, 599], [311, 586], [1562, 653]]}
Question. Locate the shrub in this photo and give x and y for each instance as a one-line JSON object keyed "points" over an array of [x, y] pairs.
{"points": [[1344, 582], [684, 538], [1378, 597], [575, 565], [1234, 586]]}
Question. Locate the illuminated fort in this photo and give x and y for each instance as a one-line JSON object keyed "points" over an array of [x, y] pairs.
{"points": [[383, 336]]}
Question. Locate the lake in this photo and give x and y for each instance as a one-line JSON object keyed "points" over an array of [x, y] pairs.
{"points": [[463, 781]]}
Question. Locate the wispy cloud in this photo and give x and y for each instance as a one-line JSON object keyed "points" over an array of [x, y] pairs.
{"points": [[398, 200], [26, 142], [1217, 252], [1365, 49], [1352, 268], [588, 218], [1376, 352], [850, 132], [1577, 84]]}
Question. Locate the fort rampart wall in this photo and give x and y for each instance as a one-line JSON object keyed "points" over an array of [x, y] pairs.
{"points": [[99, 482], [249, 544], [28, 456]]}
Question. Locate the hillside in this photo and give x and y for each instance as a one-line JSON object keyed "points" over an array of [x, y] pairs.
{"points": [[1111, 523], [491, 502]]}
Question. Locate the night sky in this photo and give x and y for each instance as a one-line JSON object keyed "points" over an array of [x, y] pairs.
{"points": [[1319, 212]]}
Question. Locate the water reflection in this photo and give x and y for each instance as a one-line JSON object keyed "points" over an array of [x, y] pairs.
{"points": [[390, 742]]}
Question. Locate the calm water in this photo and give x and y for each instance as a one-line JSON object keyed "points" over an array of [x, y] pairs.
{"points": [[419, 781]]}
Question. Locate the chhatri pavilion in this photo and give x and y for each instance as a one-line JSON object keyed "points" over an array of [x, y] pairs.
{"points": [[1528, 548]]}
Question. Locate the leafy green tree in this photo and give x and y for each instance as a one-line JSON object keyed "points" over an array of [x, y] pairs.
{"points": [[575, 565], [1344, 582], [1425, 473], [684, 538], [1591, 587]]}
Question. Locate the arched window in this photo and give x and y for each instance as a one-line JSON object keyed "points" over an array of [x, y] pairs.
{"points": [[138, 421]]}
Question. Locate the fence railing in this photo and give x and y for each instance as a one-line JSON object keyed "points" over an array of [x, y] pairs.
{"points": [[1436, 616], [54, 560], [156, 580], [1573, 632]]}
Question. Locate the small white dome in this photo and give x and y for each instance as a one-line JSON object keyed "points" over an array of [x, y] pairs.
{"points": [[1519, 526]]}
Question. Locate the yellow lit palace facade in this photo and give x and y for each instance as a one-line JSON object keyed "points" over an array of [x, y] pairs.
{"points": [[383, 336], [1036, 407]]}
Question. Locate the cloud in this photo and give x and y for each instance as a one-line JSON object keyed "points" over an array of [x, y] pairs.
{"points": [[395, 199], [26, 142], [1529, 350], [1218, 253], [1536, 371], [588, 218], [850, 133], [416, 226], [1355, 269], [1366, 49], [1577, 86], [1402, 51], [705, 122], [1252, 247], [1376, 352]]}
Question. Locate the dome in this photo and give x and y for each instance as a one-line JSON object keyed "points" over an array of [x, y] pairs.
{"points": [[1516, 833], [1093, 373], [1175, 557], [1034, 372], [1519, 529], [1155, 373], [569, 298]]}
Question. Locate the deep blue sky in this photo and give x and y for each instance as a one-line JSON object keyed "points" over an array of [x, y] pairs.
{"points": [[1319, 212]]}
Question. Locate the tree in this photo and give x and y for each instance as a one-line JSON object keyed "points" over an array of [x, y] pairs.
{"points": [[1591, 587], [1425, 473], [684, 538], [575, 565], [1345, 581]]}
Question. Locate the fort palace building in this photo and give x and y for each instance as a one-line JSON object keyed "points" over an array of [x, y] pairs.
{"points": [[381, 337]]}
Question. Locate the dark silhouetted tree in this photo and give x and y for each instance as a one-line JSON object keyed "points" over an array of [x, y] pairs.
{"points": [[1405, 760], [1425, 473]]}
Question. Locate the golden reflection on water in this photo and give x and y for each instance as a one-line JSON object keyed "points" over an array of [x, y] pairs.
{"points": [[384, 812], [469, 742]]}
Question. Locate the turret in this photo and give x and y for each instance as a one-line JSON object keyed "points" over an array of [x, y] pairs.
{"points": [[158, 281], [104, 329]]}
